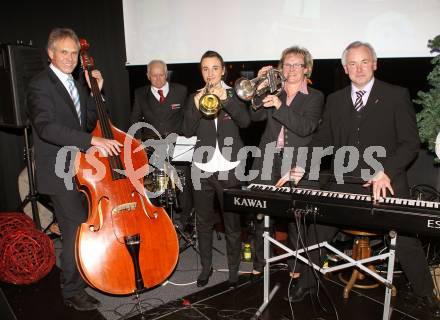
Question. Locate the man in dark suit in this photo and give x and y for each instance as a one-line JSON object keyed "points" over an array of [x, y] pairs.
{"points": [[62, 112], [368, 113], [161, 106]]}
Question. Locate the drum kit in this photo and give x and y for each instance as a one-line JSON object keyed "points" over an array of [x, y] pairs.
{"points": [[163, 186]]}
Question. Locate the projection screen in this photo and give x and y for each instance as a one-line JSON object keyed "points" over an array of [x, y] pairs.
{"points": [[180, 31]]}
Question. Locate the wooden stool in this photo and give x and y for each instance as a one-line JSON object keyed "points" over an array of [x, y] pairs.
{"points": [[361, 250]]}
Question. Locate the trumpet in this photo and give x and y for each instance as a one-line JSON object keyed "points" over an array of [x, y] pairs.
{"points": [[249, 89], [209, 103]]}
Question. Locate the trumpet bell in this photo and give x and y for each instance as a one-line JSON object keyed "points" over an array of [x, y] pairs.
{"points": [[244, 88], [209, 104], [247, 89]]}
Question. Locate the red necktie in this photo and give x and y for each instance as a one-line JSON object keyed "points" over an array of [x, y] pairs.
{"points": [[161, 96]]}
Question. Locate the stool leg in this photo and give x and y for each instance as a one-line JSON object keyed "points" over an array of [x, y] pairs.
{"points": [[350, 283], [361, 250], [355, 274], [365, 252]]}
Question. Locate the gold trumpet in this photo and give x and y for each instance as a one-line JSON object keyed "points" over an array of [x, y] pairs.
{"points": [[249, 89], [209, 103]]}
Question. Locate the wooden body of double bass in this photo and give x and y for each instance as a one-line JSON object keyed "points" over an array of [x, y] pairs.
{"points": [[117, 211]]}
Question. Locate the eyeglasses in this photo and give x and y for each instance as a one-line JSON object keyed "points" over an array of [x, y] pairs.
{"points": [[293, 65]]}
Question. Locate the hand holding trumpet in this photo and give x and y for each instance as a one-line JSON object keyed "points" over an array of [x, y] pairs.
{"points": [[271, 101], [269, 81], [219, 91], [208, 99]]}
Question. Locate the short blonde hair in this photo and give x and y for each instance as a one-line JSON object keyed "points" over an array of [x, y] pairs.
{"points": [[308, 60]]}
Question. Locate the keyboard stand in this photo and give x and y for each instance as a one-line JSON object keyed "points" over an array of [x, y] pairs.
{"points": [[388, 282]]}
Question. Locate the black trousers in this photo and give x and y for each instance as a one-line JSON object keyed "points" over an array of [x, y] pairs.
{"points": [[206, 218], [409, 253], [70, 209]]}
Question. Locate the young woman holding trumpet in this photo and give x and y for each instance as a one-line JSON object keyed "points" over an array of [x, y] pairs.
{"points": [[214, 114]]}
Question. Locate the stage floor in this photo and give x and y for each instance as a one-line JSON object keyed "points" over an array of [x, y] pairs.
{"points": [[42, 301]]}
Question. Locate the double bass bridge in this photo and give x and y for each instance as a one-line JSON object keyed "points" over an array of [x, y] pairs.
{"points": [[130, 206]]}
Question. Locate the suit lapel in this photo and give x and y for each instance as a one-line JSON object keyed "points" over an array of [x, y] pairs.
{"points": [[347, 113], [373, 101], [154, 106], [83, 95], [171, 92], [61, 89], [297, 101]]}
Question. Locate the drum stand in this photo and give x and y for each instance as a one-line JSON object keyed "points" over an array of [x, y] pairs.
{"points": [[168, 200]]}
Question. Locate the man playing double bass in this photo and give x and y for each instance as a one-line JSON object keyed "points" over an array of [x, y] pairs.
{"points": [[62, 113]]}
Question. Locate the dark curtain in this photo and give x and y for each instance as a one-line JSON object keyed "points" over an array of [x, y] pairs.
{"points": [[98, 21]]}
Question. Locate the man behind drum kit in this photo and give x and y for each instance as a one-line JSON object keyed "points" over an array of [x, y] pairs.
{"points": [[161, 106]]}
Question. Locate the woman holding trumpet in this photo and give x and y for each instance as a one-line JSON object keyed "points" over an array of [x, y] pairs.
{"points": [[214, 114], [291, 116]]}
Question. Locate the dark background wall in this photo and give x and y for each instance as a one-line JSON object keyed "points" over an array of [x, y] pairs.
{"points": [[101, 23]]}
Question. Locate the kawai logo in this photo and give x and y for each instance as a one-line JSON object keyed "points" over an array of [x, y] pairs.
{"points": [[246, 202]]}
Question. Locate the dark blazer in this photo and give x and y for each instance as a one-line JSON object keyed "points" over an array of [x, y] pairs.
{"points": [[388, 120], [166, 117], [233, 116], [55, 124], [300, 120]]}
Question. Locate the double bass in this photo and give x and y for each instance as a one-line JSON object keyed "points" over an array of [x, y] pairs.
{"points": [[126, 244]]}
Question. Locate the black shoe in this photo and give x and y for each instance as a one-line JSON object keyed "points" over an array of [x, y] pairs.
{"points": [[201, 281], [232, 284], [92, 299], [81, 302], [432, 303], [298, 294], [254, 277]]}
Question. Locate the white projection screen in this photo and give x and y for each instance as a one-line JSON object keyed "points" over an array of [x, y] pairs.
{"points": [[180, 31]]}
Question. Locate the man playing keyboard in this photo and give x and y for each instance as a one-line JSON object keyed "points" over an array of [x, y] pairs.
{"points": [[367, 113]]}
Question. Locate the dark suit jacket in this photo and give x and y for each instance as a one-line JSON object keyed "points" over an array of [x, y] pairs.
{"points": [[388, 120], [55, 124], [166, 117], [233, 115], [300, 120]]}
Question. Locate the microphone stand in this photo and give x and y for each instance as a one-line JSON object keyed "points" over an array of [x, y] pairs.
{"points": [[169, 201], [32, 196]]}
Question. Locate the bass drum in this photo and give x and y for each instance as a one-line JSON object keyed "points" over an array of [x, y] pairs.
{"points": [[161, 185]]}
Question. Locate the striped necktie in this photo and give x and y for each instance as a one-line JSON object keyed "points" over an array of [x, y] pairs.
{"points": [[73, 91], [358, 104]]}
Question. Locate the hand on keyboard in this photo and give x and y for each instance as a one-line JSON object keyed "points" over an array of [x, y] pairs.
{"points": [[380, 183], [294, 174]]}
